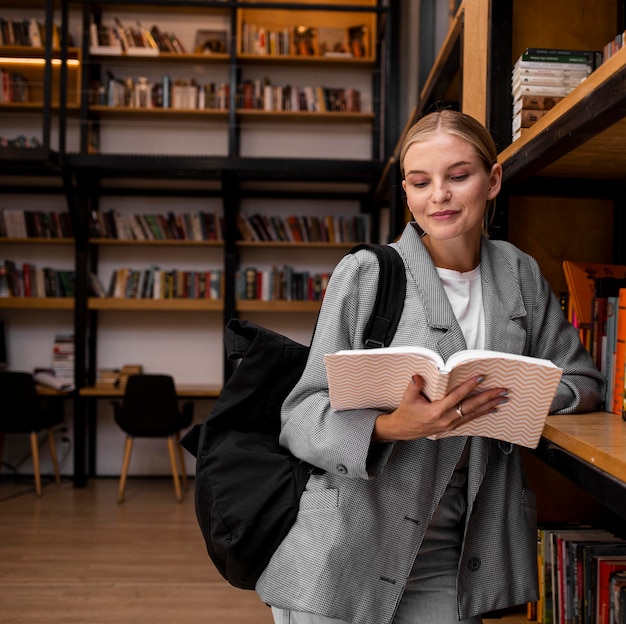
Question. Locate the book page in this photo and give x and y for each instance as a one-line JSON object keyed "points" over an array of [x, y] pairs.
{"points": [[378, 378]]}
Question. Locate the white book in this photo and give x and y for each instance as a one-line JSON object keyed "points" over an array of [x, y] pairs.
{"points": [[378, 378], [556, 65], [530, 79], [552, 90], [576, 70]]}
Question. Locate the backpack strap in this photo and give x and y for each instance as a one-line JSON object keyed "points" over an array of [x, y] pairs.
{"points": [[390, 296]]}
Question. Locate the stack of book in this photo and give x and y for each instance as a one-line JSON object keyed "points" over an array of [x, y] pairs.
{"points": [[63, 359], [542, 77], [597, 308], [581, 575]]}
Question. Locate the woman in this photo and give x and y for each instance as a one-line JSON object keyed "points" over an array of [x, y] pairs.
{"points": [[399, 528]]}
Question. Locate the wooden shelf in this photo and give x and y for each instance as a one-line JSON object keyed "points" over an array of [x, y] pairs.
{"points": [[155, 243], [37, 303], [598, 438], [318, 61], [37, 241], [164, 305], [150, 113], [290, 245], [169, 57], [300, 116], [187, 391], [256, 305], [581, 137]]}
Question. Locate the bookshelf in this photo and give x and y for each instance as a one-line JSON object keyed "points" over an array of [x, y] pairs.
{"points": [[562, 199], [209, 153]]}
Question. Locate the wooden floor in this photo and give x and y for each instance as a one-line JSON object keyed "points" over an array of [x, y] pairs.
{"points": [[74, 556]]}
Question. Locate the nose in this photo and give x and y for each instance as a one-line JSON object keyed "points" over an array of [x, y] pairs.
{"points": [[441, 194]]}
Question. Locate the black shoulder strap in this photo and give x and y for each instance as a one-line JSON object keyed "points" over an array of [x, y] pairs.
{"points": [[390, 295]]}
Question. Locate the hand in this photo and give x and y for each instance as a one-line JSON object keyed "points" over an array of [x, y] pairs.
{"points": [[417, 417]]}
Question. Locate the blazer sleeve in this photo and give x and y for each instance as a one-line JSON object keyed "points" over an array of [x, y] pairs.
{"points": [[337, 442], [582, 387]]}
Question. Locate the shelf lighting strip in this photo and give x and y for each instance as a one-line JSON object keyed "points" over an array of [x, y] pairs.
{"points": [[35, 61]]}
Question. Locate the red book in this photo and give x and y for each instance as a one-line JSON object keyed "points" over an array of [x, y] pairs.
{"points": [[607, 565]]}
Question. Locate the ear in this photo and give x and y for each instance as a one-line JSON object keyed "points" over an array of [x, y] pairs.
{"points": [[495, 181]]}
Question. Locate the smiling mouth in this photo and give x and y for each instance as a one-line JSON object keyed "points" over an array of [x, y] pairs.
{"points": [[443, 214]]}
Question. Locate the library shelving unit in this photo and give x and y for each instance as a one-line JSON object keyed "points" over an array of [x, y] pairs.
{"points": [[110, 144], [563, 198]]}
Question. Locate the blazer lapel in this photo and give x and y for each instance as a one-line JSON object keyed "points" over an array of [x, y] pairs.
{"points": [[439, 314], [505, 313]]}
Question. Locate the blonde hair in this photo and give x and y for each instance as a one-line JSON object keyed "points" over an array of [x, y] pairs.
{"points": [[460, 125]]}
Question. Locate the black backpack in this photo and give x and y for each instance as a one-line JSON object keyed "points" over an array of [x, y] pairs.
{"points": [[248, 487]]}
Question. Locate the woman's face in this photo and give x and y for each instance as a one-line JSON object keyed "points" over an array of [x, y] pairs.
{"points": [[447, 187]]}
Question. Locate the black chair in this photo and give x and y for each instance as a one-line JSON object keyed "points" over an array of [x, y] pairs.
{"points": [[150, 410], [23, 411]]}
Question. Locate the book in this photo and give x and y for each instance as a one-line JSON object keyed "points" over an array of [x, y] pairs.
{"points": [[617, 598], [560, 55], [590, 556], [333, 41], [579, 277], [606, 566], [377, 379], [552, 90]]}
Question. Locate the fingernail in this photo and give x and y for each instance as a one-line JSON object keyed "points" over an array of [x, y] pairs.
{"points": [[503, 400], [480, 379], [504, 393]]}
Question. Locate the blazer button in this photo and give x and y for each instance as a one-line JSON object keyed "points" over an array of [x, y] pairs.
{"points": [[341, 469], [473, 564]]}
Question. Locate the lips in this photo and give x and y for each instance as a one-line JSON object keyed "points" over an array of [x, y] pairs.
{"points": [[443, 214]]}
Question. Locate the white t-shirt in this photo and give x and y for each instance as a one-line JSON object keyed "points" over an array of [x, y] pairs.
{"points": [[465, 293]]}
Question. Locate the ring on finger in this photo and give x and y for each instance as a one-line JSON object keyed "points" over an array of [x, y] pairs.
{"points": [[459, 411]]}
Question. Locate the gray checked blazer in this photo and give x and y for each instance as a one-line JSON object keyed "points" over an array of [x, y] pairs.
{"points": [[361, 523]]}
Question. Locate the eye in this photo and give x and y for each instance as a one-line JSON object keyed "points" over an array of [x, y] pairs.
{"points": [[459, 177], [418, 182]]}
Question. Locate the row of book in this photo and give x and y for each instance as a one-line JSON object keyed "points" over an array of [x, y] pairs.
{"points": [[280, 284], [21, 141], [194, 226], [303, 228], [29, 280], [541, 77], [14, 87], [156, 283], [35, 224], [133, 39], [27, 32], [262, 95], [582, 576], [613, 46], [597, 308], [182, 94], [304, 40]]}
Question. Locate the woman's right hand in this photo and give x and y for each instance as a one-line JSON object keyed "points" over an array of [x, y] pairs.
{"points": [[417, 417]]}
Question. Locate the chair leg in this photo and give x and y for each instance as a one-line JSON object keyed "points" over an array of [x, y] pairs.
{"points": [[181, 457], [34, 449], [53, 455], [171, 442], [128, 447]]}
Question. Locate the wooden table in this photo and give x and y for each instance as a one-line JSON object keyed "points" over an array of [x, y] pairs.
{"points": [[85, 421], [590, 449]]}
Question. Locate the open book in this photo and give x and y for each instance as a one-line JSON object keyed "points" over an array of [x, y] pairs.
{"points": [[377, 379]]}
